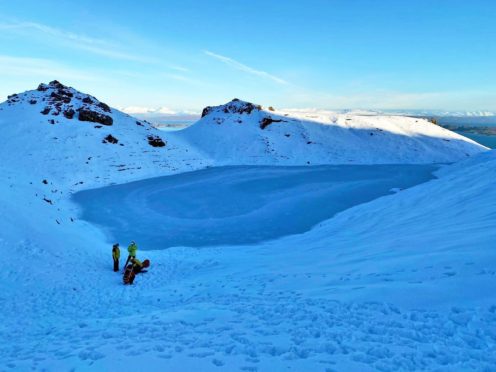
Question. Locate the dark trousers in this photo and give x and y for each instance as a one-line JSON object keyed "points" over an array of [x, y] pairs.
{"points": [[116, 265], [127, 261]]}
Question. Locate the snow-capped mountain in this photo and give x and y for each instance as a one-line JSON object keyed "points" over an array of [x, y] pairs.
{"points": [[242, 132]]}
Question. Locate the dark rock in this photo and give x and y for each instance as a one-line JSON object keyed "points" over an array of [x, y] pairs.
{"points": [[64, 92], [94, 117], [206, 111], [234, 107], [56, 84], [45, 111], [88, 100], [51, 121], [58, 97], [110, 139], [265, 122], [104, 106], [140, 124], [32, 101], [42, 87], [155, 141], [45, 182], [270, 108], [69, 114]]}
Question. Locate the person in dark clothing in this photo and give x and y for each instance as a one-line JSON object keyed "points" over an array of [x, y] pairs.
{"points": [[138, 266], [116, 255], [129, 275]]}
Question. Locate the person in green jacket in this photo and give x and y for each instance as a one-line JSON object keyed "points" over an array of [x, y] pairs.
{"points": [[116, 255], [139, 266], [132, 249]]}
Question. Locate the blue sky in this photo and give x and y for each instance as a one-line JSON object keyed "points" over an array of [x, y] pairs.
{"points": [[184, 55]]}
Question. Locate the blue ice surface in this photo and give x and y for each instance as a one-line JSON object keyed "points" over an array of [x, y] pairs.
{"points": [[237, 205]]}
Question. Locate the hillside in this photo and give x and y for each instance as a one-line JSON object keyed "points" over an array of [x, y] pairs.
{"points": [[243, 133], [405, 281], [67, 137]]}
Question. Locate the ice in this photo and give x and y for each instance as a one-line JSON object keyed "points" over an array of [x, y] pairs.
{"points": [[238, 204]]}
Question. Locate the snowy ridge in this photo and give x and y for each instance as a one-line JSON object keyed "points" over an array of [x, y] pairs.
{"points": [[70, 137], [243, 133], [405, 282]]}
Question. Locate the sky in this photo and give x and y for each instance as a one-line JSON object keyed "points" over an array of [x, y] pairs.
{"points": [[180, 56]]}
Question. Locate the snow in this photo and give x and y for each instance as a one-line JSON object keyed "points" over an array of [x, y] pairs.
{"points": [[403, 282], [230, 135]]}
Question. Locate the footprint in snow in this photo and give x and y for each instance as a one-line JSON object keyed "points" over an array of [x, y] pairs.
{"points": [[217, 362]]}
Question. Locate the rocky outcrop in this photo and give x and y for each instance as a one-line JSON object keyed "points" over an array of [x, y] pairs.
{"points": [[69, 114], [94, 117], [104, 106], [265, 122], [63, 100], [155, 141], [236, 106], [110, 139], [61, 104]]}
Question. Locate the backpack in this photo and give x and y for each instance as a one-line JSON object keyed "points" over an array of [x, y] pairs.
{"points": [[129, 275]]}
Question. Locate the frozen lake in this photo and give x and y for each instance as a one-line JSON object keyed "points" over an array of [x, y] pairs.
{"points": [[237, 205]]}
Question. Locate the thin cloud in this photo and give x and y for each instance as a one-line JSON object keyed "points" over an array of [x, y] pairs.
{"points": [[182, 78], [39, 68], [73, 40], [178, 68], [242, 67], [51, 31]]}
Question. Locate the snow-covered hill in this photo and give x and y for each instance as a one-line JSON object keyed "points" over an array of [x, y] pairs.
{"points": [[60, 134], [404, 282], [241, 132]]}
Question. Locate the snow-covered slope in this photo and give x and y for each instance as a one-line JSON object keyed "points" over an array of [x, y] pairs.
{"points": [[241, 132], [405, 282], [65, 136]]}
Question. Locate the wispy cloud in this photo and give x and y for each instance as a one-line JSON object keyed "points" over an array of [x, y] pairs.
{"points": [[39, 68], [50, 30], [57, 36], [182, 78], [178, 68], [242, 67]]}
